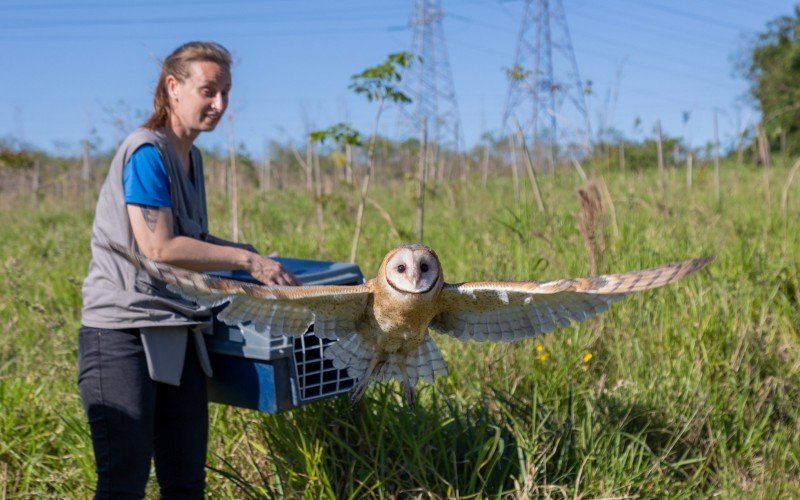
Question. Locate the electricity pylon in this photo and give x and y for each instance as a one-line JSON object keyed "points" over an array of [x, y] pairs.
{"points": [[429, 80], [544, 79]]}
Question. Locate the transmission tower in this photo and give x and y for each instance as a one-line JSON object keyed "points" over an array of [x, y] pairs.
{"points": [[429, 80], [544, 79]]}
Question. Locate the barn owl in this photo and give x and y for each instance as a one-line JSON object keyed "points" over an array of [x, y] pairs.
{"points": [[382, 326]]}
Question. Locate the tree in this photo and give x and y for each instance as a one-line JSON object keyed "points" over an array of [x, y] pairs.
{"points": [[378, 84], [772, 65], [345, 137]]}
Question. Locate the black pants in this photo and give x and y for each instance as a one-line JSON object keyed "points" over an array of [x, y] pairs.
{"points": [[133, 419]]}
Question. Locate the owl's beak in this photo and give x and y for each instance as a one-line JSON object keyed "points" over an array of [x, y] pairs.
{"points": [[415, 277]]}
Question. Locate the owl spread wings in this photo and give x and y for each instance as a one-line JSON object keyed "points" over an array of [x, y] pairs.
{"points": [[495, 311], [508, 311]]}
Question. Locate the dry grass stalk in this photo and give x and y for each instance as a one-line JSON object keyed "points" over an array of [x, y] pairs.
{"points": [[591, 224], [789, 180], [579, 169], [529, 166], [388, 218], [608, 203]]}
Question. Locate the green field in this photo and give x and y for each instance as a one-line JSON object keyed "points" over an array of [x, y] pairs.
{"points": [[690, 390]]}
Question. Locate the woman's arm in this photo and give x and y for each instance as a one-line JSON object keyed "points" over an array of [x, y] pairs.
{"points": [[153, 231]]}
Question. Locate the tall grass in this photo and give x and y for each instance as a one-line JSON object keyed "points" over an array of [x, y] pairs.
{"points": [[685, 391]]}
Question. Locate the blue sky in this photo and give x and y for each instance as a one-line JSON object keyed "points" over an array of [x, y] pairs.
{"points": [[74, 66]]}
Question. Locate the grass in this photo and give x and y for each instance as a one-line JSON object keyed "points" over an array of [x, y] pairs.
{"points": [[691, 390]]}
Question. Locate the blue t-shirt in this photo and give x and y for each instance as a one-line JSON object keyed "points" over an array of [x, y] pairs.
{"points": [[145, 178]]}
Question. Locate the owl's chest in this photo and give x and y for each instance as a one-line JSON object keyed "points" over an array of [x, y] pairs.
{"points": [[400, 322]]}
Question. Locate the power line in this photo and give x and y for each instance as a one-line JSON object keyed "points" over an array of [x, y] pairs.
{"points": [[172, 35], [627, 19], [612, 42], [690, 15], [106, 5], [273, 17]]}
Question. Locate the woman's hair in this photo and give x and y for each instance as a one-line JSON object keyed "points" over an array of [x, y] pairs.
{"points": [[177, 65]]}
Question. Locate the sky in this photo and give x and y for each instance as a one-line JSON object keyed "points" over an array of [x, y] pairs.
{"points": [[86, 68]]}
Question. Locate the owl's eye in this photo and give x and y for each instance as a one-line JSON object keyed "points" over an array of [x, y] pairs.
{"points": [[424, 268], [401, 268]]}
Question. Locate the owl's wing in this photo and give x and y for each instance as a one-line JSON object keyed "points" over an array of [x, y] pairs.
{"points": [[281, 310], [516, 310]]}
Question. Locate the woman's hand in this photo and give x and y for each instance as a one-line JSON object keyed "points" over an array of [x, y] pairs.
{"points": [[269, 272]]}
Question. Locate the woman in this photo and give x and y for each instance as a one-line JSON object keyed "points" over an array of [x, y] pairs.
{"points": [[141, 354]]}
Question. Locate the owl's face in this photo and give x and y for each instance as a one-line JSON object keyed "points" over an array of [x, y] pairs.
{"points": [[413, 269]]}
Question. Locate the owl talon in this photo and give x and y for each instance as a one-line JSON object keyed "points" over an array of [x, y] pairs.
{"points": [[358, 390], [363, 382], [408, 387], [410, 395]]}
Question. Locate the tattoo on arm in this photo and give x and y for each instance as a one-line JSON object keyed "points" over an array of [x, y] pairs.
{"points": [[150, 217]]}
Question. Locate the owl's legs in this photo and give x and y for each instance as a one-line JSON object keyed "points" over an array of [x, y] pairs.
{"points": [[408, 388], [363, 382]]}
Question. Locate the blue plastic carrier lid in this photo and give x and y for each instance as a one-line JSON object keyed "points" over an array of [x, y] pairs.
{"points": [[309, 272]]}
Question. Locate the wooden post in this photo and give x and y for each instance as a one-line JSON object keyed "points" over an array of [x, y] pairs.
{"points": [[485, 166], [689, 158], [740, 149], [662, 182], [716, 160], [348, 164], [423, 153], [551, 155], [622, 156], [266, 174], [86, 175], [309, 167], [763, 147], [317, 190], [35, 181], [783, 146], [433, 151]]}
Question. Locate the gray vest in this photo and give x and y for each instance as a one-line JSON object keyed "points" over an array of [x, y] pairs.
{"points": [[116, 294]]}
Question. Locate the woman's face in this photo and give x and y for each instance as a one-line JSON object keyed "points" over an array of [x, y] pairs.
{"points": [[198, 102]]}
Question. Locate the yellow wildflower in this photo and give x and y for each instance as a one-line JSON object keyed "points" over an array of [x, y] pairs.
{"points": [[539, 348], [543, 356], [587, 357]]}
